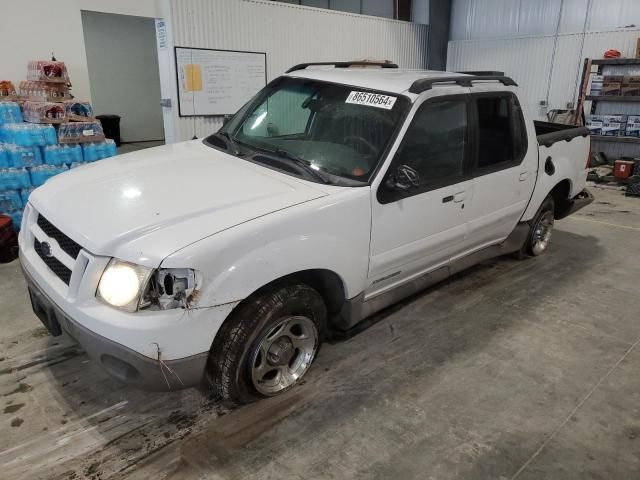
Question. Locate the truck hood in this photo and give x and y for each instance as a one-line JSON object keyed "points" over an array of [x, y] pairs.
{"points": [[145, 205]]}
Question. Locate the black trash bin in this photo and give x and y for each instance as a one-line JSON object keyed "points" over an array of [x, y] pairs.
{"points": [[111, 127]]}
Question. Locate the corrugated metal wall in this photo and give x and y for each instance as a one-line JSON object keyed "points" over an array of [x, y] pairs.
{"points": [[289, 34], [474, 19], [530, 61]]}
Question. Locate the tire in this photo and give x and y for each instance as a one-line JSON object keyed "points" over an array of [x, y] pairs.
{"points": [[268, 344], [541, 229]]}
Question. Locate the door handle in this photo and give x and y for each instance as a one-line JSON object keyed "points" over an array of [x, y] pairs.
{"points": [[523, 176], [447, 199], [460, 196]]}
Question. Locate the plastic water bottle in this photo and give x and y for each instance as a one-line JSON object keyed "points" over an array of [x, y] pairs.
{"points": [[24, 194], [16, 217], [10, 113], [14, 178], [10, 200], [77, 164], [89, 152], [112, 149], [24, 156], [50, 135], [4, 157], [41, 174]]}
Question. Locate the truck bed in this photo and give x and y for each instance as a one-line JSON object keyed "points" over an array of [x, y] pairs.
{"points": [[549, 133]]}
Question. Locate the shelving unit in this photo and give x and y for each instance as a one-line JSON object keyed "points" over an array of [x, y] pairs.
{"points": [[613, 146]]}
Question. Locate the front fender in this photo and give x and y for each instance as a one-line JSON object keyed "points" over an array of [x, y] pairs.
{"points": [[330, 233]]}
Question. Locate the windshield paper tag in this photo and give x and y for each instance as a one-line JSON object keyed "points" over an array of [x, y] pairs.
{"points": [[371, 99]]}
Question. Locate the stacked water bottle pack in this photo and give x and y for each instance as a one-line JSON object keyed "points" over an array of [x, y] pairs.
{"points": [[30, 154]]}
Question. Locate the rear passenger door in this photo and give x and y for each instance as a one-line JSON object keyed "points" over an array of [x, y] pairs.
{"points": [[504, 169]]}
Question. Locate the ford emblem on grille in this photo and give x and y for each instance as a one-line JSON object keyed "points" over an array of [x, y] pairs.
{"points": [[46, 249]]}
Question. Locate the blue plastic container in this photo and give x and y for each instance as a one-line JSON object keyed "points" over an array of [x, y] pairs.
{"points": [[14, 178], [10, 200], [24, 194], [41, 174]]}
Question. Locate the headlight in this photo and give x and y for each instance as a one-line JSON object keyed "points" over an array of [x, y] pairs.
{"points": [[122, 283]]}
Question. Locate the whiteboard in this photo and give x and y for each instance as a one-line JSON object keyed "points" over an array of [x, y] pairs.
{"points": [[217, 82]]}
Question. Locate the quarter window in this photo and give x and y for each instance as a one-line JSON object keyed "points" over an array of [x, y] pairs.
{"points": [[501, 133], [436, 142]]}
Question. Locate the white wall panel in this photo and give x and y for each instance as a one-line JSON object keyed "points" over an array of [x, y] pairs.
{"points": [[526, 60], [289, 34], [474, 19]]}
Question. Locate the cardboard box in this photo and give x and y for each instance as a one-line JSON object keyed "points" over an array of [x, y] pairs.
{"points": [[611, 90], [632, 130], [631, 80], [630, 91], [613, 118], [595, 127], [613, 79], [612, 129]]}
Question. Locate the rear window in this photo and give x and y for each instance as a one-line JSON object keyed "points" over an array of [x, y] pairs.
{"points": [[501, 133]]}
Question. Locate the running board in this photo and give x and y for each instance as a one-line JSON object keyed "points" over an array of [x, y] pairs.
{"points": [[357, 309]]}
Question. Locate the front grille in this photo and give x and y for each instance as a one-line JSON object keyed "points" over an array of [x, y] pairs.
{"points": [[53, 263], [66, 244]]}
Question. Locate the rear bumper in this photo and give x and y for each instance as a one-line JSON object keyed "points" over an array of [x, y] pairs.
{"points": [[119, 361], [578, 202]]}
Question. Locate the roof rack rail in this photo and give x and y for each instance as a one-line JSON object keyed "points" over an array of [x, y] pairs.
{"points": [[356, 63], [425, 84], [484, 73]]}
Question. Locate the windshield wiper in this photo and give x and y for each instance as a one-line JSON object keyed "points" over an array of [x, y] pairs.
{"points": [[305, 164], [228, 138]]}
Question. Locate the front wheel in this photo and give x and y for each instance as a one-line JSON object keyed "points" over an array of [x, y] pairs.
{"points": [[268, 344], [541, 229]]}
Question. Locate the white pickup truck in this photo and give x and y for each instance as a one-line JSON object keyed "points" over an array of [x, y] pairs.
{"points": [[333, 193]]}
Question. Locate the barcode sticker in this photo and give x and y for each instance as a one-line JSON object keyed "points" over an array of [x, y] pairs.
{"points": [[88, 133], [371, 99]]}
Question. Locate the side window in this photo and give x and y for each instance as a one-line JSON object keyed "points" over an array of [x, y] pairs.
{"points": [[435, 144], [501, 132]]}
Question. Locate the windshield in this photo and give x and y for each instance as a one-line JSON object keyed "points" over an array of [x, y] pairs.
{"points": [[336, 129]]}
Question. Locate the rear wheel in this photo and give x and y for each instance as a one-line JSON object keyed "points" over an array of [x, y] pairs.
{"points": [[541, 229], [268, 344]]}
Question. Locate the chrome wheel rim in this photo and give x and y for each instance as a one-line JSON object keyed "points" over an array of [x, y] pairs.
{"points": [[283, 354], [542, 233]]}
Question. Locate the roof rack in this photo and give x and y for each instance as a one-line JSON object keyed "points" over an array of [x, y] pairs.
{"points": [[425, 84], [356, 63], [484, 73]]}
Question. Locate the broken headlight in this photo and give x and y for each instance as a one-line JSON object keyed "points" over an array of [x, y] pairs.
{"points": [[170, 288]]}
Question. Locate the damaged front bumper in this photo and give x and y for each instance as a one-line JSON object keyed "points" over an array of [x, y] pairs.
{"points": [[121, 362]]}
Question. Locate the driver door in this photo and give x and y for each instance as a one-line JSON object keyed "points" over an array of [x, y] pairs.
{"points": [[420, 215]]}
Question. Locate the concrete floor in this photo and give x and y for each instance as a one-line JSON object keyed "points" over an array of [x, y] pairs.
{"points": [[524, 370]]}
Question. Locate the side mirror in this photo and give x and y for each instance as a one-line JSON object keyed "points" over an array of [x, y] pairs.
{"points": [[403, 179], [226, 118]]}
